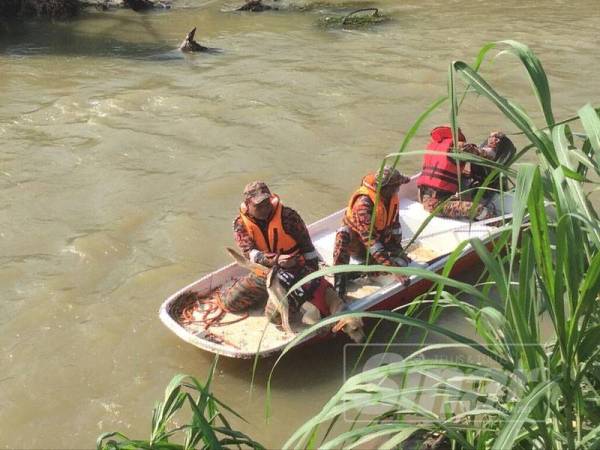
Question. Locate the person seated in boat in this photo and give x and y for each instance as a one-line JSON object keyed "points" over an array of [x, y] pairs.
{"points": [[439, 179], [268, 233], [479, 175], [381, 245]]}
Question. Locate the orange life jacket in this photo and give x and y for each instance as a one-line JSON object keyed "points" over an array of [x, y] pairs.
{"points": [[439, 170], [385, 214], [277, 240]]}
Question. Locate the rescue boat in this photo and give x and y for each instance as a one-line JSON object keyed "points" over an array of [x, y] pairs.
{"points": [[250, 334]]}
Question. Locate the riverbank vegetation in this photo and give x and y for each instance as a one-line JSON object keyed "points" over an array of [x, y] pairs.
{"points": [[522, 386], [40, 8], [65, 9], [208, 427]]}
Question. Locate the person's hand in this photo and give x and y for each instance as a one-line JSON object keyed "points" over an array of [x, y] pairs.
{"points": [[287, 261], [404, 179], [269, 259], [402, 279], [469, 148]]}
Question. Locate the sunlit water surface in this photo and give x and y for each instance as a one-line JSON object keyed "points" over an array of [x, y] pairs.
{"points": [[122, 164]]}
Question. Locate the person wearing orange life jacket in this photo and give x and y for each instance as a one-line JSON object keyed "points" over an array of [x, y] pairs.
{"points": [[439, 179], [383, 244], [264, 229]]}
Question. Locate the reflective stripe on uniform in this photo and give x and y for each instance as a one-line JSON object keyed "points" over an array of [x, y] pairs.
{"points": [[311, 255], [376, 247], [254, 255]]}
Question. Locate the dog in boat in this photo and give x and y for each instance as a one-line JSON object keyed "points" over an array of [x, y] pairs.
{"points": [[352, 326], [189, 45], [278, 303], [277, 300]]}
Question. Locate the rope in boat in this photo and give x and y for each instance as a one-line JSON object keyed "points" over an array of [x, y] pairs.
{"points": [[213, 312]]}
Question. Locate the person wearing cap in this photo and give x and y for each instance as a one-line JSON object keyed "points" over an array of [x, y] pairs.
{"points": [[381, 245], [267, 232], [439, 179]]}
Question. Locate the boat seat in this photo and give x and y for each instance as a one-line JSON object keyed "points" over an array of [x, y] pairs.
{"points": [[441, 233]]}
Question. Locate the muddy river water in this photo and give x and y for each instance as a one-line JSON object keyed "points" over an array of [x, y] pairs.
{"points": [[122, 163]]}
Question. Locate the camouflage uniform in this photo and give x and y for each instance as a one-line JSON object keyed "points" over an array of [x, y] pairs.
{"points": [[385, 247], [250, 290], [356, 239], [454, 208]]}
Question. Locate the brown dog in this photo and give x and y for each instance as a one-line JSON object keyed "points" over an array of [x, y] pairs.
{"points": [[277, 300], [278, 303], [352, 326]]}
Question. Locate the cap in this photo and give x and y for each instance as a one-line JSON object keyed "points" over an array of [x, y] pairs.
{"points": [[391, 177], [256, 192]]}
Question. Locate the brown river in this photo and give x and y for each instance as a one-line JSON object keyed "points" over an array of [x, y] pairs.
{"points": [[122, 164]]}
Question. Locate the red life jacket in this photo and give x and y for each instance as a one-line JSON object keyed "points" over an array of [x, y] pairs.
{"points": [[319, 298], [439, 170]]}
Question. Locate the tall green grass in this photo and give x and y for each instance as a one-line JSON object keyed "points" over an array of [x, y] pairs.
{"points": [[532, 392], [207, 426]]}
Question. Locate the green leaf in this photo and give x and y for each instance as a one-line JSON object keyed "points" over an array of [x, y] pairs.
{"points": [[569, 173], [492, 265], [591, 124], [513, 114], [524, 181], [206, 431], [537, 76], [507, 436]]}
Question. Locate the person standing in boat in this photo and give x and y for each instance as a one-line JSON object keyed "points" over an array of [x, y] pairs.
{"points": [[381, 245], [439, 179], [267, 232]]}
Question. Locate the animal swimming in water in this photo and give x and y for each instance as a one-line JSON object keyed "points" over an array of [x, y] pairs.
{"points": [[277, 301], [189, 45]]}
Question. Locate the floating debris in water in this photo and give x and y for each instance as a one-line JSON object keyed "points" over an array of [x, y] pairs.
{"points": [[189, 44], [254, 6], [355, 19], [331, 6]]}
